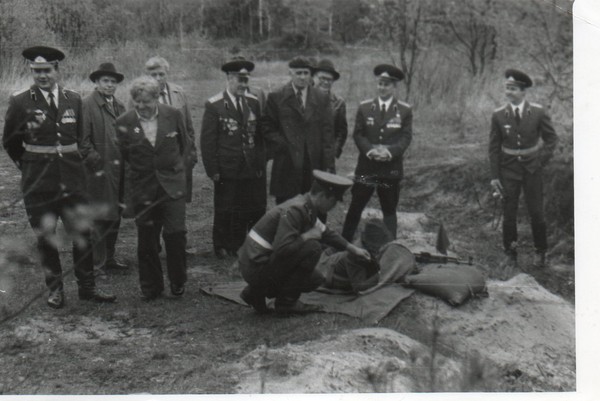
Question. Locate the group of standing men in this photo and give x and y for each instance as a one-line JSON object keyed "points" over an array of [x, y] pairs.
{"points": [[51, 135]]}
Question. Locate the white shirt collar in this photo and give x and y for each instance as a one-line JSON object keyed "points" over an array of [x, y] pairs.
{"points": [[154, 116], [232, 97], [387, 103], [54, 92], [520, 106]]}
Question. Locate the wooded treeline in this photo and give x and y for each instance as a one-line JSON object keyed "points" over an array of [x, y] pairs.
{"points": [[470, 33]]}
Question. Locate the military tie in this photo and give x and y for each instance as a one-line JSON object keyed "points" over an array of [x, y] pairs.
{"points": [[517, 116], [299, 97], [238, 105], [383, 111], [53, 107]]}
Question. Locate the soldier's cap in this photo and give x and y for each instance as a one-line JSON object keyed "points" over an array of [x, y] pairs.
{"points": [[106, 69], [43, 56], [389, 72], [518, 78], [300, 62], [333, 184], [238, 65], [326, 65]]}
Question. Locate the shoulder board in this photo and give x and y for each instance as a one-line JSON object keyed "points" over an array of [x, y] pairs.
{"points": [[401, 103], [216, 97], [366, 101], [500, 108], [20, 91], [251, 95], [537, 105]]}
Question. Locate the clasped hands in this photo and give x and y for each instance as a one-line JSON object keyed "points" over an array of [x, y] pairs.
{"points": [[380, 153]]}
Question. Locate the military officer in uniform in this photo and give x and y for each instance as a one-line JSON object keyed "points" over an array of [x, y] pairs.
{"points": [[233, 153], [153, 140], [43, 136], [382, 132], [298, 128], [522, 140], [280, 253], [105, 164], [325, 75]]}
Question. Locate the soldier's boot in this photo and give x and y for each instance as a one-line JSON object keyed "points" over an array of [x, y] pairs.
{"points": [[539, 259], [508, 265], [56, 299], [255, 299]]}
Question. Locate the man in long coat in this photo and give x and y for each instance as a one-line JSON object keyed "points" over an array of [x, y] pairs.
{"points": [[522, 140], [325, 75], [104, 163], [43, 136], [233, 153], [298, 127]]}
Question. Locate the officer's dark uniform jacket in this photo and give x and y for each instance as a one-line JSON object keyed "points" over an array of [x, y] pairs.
{"points": [[59, 171], [513, 148], [231, 144], [276, 236], [393, 131]]}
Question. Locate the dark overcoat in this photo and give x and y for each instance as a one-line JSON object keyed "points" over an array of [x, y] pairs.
{"points": [[231, 143], [534, 131], [340, 124], [394, 130], [46, 172], [288, 131], [104, 163], [153, 166]]}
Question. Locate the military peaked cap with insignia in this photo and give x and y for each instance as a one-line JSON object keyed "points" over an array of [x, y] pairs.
{"points": [[518, 78], [106, 69], [300, 62], [333, 184], [238, 65], [327, 66], [43, 56], [388, 71]]}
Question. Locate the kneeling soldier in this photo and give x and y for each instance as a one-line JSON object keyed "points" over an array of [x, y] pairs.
{"points": [[279, 256], [43, 136]]}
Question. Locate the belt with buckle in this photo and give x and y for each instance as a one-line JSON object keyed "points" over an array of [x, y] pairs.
{"points": [[522, 152], [58, 149]]}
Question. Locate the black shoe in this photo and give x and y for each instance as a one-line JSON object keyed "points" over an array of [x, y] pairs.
{"points": [[96, 294], [297, 307], [221, 253], [115, 265], [56, 299], [539, 260], [177, 290], [256, 301]]}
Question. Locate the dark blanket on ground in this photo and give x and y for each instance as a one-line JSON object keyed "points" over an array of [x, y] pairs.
{"points": [[370, 307]]}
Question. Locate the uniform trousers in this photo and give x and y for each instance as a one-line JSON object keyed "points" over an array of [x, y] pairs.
{"points": [[104, 240], [388, 191], [533, 190], [43, 210], [238, 205], [283, 280], [168, 215]]}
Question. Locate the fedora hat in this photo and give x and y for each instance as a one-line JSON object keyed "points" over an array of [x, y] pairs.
{"points": [[106, 69], [327, 66]]}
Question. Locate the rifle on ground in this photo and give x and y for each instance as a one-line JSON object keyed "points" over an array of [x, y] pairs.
{"points": [[426, 257]]}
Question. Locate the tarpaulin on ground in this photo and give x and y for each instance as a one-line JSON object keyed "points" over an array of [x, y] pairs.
{"points": [[370, 307]]}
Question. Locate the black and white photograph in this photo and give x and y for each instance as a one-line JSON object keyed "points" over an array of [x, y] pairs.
{"points": [[297, 197]]}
